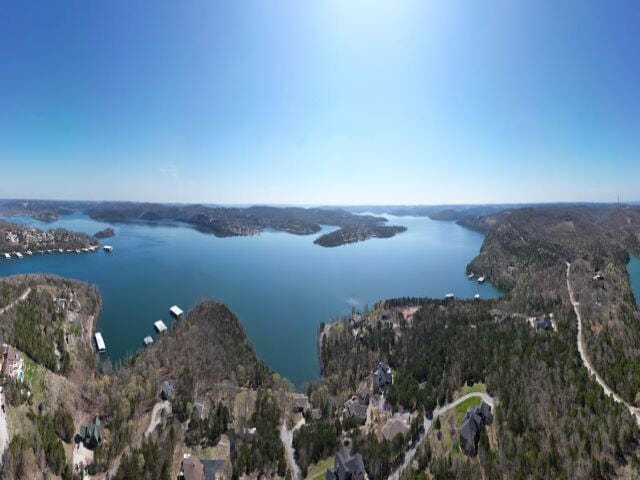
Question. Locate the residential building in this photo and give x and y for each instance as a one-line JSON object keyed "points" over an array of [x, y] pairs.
{"points": [[346, 467]]}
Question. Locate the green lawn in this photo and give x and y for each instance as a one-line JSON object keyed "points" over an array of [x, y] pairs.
{"points": [[462, 408], [476, 387], [34, 378], [317, 470]]}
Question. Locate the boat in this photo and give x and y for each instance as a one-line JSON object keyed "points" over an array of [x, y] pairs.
{"points": [[481, 279], [176, 311], [108, 248], [471, 275], [19, 255], [160, 326], [147, 341], [77, 250], [449, 295], [100, 342], [477, 296]]}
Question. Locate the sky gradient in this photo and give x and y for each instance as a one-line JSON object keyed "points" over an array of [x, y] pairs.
{"points": [[333, 102]]}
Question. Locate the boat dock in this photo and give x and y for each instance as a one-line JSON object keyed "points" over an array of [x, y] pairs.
{"points": [[481, 279], [100, 342], [147, 341], [449, 295], [108, 248], [160, 326], [176, 311]]}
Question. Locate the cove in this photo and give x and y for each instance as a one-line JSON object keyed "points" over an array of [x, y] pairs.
{"points": [[281, 286]]}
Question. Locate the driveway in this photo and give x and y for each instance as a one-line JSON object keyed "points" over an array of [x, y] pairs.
{"points": [[408, 457]]}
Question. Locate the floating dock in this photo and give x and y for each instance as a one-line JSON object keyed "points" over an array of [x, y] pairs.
{"points": [[100, 342], [480, 279], [108, 248], [176, 311], [147, 341], [18, 255], [160, 326], [477, 296], [7, 256], [449, 295]]}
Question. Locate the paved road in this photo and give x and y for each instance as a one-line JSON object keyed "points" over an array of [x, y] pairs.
{"points": [[287, 440], [21, 298], [408, 458], [155, 416], [585, 359]]}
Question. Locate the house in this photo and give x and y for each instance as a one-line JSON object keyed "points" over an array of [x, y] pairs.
{"points": [[214, 469], [363, 396], [12, 363], [353, 409], [470, 432], [300, 403], [473, 421], [316, 414], [395, 425], [92, 434], [346, 467], [543, 323], [192, 469], [382, 377], [168, 392]]}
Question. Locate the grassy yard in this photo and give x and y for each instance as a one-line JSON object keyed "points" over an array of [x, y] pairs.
{"points": [[462, 408], [34, 378], [476, 387], [318, 470]]}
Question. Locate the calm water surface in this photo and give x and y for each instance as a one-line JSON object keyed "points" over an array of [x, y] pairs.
{"points": [[281, 286], [634, 275]]}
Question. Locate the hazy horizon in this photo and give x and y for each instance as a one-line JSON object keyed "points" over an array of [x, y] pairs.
{"points": [[332, 103]]}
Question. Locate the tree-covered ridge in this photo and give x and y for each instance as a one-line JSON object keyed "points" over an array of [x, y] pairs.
{"points": [[525, 251], [230, 221]]}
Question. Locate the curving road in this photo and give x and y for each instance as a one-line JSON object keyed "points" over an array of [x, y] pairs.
{"points": [[286, 436], [585, 359], [156, 418], [21, 298], [408, 457]]}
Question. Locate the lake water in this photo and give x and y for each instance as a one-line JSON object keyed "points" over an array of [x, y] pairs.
{"points": [[634, 275], [281, 286]]}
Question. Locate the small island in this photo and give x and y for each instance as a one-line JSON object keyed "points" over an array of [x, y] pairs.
{"points": [[106, 233], [358, 233]]}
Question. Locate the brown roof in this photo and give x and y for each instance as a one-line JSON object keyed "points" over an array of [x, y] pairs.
{"points": [[193, 469], [10, 357]]}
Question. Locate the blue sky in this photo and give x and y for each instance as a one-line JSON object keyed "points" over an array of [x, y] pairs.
{"points": [[333, 102]]}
